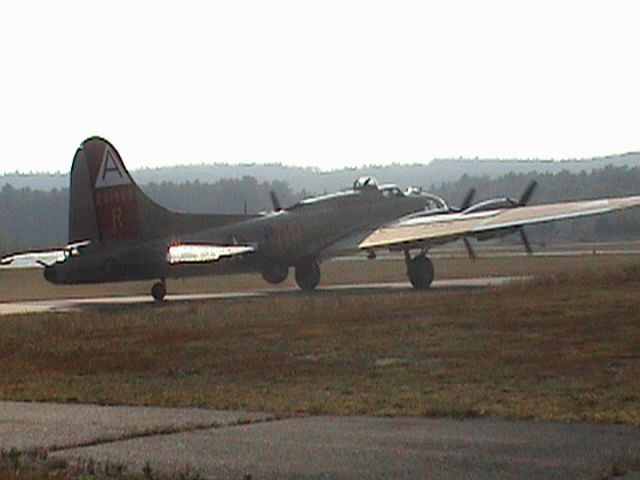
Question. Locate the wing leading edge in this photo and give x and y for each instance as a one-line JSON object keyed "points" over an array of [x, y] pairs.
{"points": [[438, 229]]}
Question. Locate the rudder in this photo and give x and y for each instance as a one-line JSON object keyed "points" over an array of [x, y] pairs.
{"points": [[105, 202]]}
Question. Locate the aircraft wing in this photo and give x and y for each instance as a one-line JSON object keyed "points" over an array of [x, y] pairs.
{"points": [[347, 245], [204, 253], [437, 229]]}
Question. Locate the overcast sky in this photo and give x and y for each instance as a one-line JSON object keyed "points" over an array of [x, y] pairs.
{"points": [[326, 84]]}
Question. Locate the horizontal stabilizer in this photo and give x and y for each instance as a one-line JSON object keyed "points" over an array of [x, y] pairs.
{"points": [[33, 259], [41, 258], [199, 253]]}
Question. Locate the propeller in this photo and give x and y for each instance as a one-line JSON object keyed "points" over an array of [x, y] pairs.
{"points": [[466, 203], [524, 199], [525, 242], [528, 192], [275, 202], [500, 203], [470, 251]]}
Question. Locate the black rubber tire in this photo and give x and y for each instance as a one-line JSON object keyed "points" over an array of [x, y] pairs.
{"points": [[420, 272], [308, 275], [158, 291], [275, 274]]}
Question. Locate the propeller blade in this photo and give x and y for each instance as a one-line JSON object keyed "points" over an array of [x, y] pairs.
{"points": [[470, 251], [466, 203], [275, 201], [528, 192], [525, 241]]}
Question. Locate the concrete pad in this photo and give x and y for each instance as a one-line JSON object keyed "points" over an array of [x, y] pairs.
{"points": [[50, 426], [336, 447]]}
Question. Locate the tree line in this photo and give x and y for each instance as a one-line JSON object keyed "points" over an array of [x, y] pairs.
{"points": [[609, 181], [39, 219], [36, 219]]}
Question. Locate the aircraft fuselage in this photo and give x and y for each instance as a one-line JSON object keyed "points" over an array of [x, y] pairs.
{"points": [[306, 231]]}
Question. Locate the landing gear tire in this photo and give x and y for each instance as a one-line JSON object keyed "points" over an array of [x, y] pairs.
{"points": [[275, 274], [308, 275], [420, 272], [158, 291]]}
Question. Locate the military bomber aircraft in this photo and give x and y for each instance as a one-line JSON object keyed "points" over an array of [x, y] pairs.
{"points": [[117, 233]]}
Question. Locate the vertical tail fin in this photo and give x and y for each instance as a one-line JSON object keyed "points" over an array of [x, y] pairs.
{"points": [[106, 204]]}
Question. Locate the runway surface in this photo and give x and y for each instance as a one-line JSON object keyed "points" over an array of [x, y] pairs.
{"points": [[68, 305], [233, 445]]}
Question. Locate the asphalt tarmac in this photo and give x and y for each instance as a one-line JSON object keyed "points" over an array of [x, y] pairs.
{"points": [[67, 305], [237, 445]]}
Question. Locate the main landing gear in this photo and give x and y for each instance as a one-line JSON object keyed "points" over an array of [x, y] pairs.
{"points": [[419, 270], [159, 290], [275, 274], [308, 274]]}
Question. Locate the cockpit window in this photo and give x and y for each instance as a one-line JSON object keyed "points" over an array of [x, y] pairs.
{"points": [[392, 192]]}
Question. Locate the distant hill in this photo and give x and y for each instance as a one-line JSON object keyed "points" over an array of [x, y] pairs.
{"points": [[443, 171], [312, 180]]}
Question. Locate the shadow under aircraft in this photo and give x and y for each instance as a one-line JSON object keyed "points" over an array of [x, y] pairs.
{"points": [[117, 233]]}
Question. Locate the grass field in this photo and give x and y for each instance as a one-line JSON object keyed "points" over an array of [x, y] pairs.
{"points": [[564, 347]]}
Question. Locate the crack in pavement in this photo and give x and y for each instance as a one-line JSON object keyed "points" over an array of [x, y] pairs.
{"points": [[28, 426], [163, 431]]}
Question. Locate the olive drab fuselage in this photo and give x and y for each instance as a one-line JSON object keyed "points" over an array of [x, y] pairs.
{"points": [[308, 230]]}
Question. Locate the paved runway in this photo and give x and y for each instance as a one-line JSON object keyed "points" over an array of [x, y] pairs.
{"points": [[66, 305], [230, 445]]}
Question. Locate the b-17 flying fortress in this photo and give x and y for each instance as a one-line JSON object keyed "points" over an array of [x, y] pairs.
{"points": [[116, 233]]}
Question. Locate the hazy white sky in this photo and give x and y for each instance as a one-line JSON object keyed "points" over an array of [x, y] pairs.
{"points": [[324, 83]]}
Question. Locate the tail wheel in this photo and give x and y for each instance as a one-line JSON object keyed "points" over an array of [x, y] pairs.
{"points": [[158, 291], [308, 275], [420, 272]]}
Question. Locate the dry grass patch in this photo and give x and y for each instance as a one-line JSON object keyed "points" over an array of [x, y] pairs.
{"points": [[561, 348]]}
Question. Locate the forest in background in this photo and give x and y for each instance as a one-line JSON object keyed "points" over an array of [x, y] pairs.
{"points": [[38, 219], [315, 180]]}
